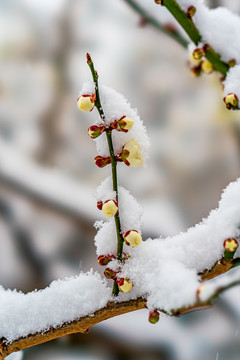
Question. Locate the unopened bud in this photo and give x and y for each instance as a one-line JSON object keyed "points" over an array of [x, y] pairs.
{"points": [[191, 11], [232, 63], [132, 238], [103, 260], [124, 124], [230, 245], [109, 273], [153, 316], [231, 101], [207, 67], [94, 131], [124, 285], [198, 53], [159, 2], [195, 62], [86, 102], [101, 161], [131, 154], [110, 208], [99, 205]]}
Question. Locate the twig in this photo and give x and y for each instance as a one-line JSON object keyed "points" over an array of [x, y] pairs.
{"points": [[174, 34], [112, 309], [113, 165], [81, 325], [193, 33]]}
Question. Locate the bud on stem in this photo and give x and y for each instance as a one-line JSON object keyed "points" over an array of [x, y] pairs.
{"points": [[110, 208], [231, 101], [153, 316], [101, 161], [230, 246]]}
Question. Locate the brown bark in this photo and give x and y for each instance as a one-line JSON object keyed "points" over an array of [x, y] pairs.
{"points": [[81, 325], [112, 309], [220, 267]]}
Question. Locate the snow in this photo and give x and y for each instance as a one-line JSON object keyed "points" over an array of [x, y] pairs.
{"points": [[220, 29], [185, 4], [130, 217], [161, 268], [232, 82], [115, 106], [63, 301], [15, 356]]}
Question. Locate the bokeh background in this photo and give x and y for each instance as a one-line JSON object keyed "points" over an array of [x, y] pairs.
{"points": [[48, 176]]}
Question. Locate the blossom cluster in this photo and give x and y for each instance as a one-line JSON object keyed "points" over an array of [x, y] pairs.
{"points": [[130, 146], [217, 27]]}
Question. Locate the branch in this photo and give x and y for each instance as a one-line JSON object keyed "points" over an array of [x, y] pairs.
{"points": [[193, 33], [81, 325], [98, 105], [148, 19], [112, 309]]}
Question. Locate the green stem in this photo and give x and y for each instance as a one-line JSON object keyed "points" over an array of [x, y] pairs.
{"points": [[152, 21], [182, 18], [98, 105], [193, 33]]}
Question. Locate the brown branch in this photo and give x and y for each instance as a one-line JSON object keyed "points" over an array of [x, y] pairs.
{"points": [[81, 325], [220, 267], [112, 309]]}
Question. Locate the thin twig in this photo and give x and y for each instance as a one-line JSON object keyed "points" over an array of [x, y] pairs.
{"points": [[98, 105], [148, 19], [193, 33]]}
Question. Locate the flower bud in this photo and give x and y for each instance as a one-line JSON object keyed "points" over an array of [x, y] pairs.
{"points": [[101, 161], [131, 154], [86, 102], [230, 245], [94, 131], [109, 273], [232, 63], [110, 208], [124, 124], [198, 53], [153, 316], [124, 285], [191, 11], [231, 101], [207, 67], [103, 260], [195, 62], [132, 238], [99, 205]]}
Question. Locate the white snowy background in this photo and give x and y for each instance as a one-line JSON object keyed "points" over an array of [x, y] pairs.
{"points": [[48, 176]]}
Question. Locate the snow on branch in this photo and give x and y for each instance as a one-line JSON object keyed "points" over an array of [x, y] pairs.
{"points": [[167, 275]]}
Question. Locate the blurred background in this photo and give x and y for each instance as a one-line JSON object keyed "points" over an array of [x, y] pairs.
{"points": [[48, 176]]}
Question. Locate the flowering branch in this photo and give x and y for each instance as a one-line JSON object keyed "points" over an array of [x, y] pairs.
{"points": [[185, 20], [148, 19], [113, 165]]}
